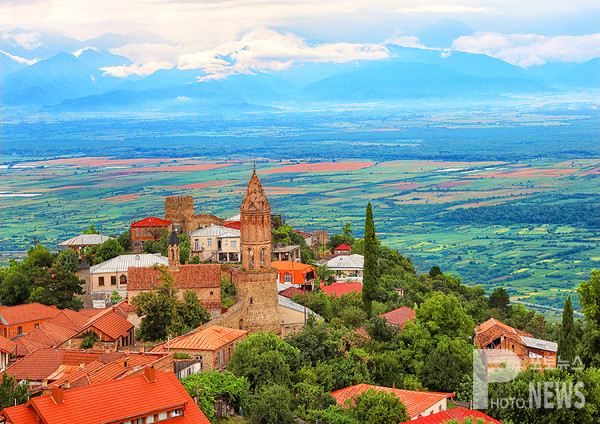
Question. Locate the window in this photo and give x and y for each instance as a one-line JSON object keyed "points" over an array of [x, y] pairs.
{"points": [[163, 416], [211, 294], [113, 280], [36, 325], [176, 412], [123, 279], [19, 330], [251, 257], [287, 278], [196, 244], [209, 242], [218, 360], [262, 258], [137, 232], [100, 281], [233, 244], [143, 232], [139, 421], [251, 300], [150, 419]]}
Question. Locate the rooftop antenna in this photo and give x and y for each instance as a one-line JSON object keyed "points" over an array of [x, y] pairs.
{"points": [[254, 165]]}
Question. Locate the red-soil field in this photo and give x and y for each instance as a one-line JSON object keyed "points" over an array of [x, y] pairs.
{"points": [[208, 184], [319, 167], [450, 184]]}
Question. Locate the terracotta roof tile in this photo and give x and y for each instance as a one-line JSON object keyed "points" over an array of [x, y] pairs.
{"points": [[210, 338], [292, 266], [343, 246], [492, 329], [415, 401], [188, 277], [113, 401], [151, 222], [7, 345], [290, 291], [44, 362], [109, 323], [399, 316], [10, 315], [455, 413], [339, 289]]}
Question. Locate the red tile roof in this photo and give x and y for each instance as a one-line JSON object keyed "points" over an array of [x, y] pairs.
{"points": [[290, 291], [151, 222], [458, 414], [399, 316], [415, 402], [209, 338], [343, 246], [10, 315], [236, 225], [112, 401], [188, 277], [303, 233], [339, 289], [6, 345]]}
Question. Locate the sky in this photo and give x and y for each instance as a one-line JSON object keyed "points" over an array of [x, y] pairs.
{"points": [[275, 34]]}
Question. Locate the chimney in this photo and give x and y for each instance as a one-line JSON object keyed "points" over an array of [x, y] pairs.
{"points": [[67, 384], [57, 394], [141, 349], [81, 365], [45, 383], [150, 373]]}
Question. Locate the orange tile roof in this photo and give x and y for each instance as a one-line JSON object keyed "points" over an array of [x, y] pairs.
{"points": [[11, 315], [7, 345], [343, 246], [91, 312], [45, 361], [112, 401], [399, 316], [151, 222], [188, 277], [415, 401], [455, 413], [290, 291], [292, 266], [339, 289], [109, 323], [490, 330], [210, 338]]}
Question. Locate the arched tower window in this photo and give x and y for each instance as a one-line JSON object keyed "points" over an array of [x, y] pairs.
{"points": [[251, 300], [251, 257], [262, 258]]}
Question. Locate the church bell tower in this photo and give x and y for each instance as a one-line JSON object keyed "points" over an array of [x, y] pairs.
{"points": [[257, 280]]}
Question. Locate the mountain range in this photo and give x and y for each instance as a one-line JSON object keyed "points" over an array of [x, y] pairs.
{"points": [[69, 78]]}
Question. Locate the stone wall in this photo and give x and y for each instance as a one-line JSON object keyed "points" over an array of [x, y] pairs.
{"points": [[180, 210]]}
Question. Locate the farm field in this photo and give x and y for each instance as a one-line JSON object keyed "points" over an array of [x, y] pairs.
{"points": [[509, 216]]}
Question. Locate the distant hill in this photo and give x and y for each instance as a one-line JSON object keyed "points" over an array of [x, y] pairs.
{"points": [[582, 75], [443, 33]]}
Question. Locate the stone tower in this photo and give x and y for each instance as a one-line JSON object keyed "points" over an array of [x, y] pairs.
{"points": [[174, 258], [257, 280]]}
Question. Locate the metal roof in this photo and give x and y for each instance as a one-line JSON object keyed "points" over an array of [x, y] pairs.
{"points": [[216, 231], [234, 218], [123, 262], [85, 240], [540, 344], [287, 303], [343, 262]]}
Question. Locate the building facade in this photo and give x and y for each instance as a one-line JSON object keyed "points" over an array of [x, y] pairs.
{"points": [[146, 229], [216, 243]]}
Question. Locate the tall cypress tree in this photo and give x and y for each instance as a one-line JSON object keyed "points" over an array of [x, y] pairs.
{"points": [[567, 340], [370, 289]]}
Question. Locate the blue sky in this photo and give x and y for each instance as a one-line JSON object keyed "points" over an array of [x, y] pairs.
{"points": [[275, 34]]}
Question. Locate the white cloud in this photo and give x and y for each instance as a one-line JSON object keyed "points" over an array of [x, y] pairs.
{"points": [[27, 40], [265, 49], [77, 53], [147, 52], [141, 69], [442, 8], [531, 49], [20, 59], [405, 41]]}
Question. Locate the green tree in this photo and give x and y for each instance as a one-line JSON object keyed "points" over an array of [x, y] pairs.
{"points": [[159, 309], [69, 260], [589, 298], [334, 414], [88, 341], [435, 271], [271, 405], [325, 274], [353, 317], [124, 240], [115, 297], [264, 359], [347, 230], [13, 393], [370, 289], [377, 407], [443, 315], [567, 339], [91, 230], [191, 310], [499, 299], [58, 286], [108, 250]]}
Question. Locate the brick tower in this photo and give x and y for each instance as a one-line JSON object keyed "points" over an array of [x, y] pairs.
{"points": [[257, 280]]}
